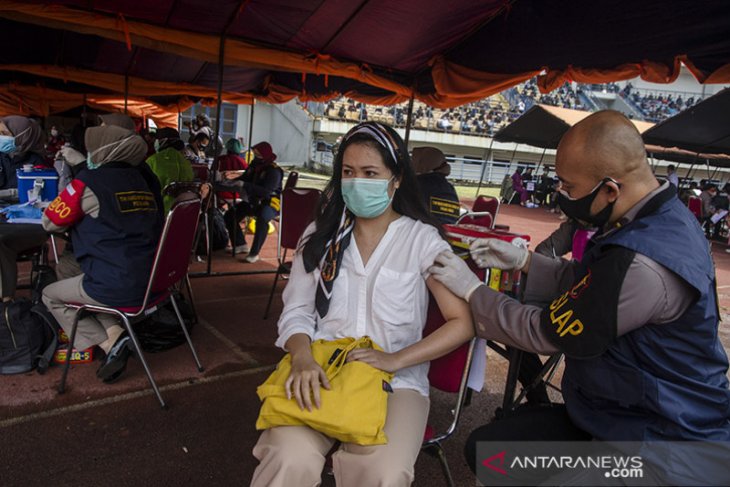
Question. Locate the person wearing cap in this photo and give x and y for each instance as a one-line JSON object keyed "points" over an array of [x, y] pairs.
{"points": [[231, 161], [115, 225], [439, 195], [260, 187], [637, 318], [169, 164], [195, 150], [201, 125], [21, 143]]}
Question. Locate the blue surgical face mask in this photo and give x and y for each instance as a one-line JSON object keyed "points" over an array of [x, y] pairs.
{"points": [[366, 198], [7, 144]]}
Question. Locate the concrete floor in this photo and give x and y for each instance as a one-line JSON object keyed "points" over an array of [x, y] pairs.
{"points": [[99, 434]]}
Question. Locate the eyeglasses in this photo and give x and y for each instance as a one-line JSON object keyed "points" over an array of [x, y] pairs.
{"points": [[600, 183]]}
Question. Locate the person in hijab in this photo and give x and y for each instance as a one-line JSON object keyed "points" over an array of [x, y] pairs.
{"points": [[125, 121], [260, 187], [21, 143], [438, 194], [169, 164], [115, 225], [361, 270]]}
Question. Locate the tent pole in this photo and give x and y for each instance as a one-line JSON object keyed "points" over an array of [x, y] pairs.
{"points": [[126, 91], [539, 164], [484, 167], [409, 121], [250, 125]]}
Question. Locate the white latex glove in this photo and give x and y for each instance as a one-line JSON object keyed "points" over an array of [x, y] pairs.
{"points": [[72, 156], [452, 272], [492, 252]]}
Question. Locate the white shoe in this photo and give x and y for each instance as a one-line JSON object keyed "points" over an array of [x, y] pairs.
{"points": [[242, 249], [251, 258]]}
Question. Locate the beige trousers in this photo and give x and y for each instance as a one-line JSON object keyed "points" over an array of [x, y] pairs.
{"points": [[295, 455], [91, 330]]}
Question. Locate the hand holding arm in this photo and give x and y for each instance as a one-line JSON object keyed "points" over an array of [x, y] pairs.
{"points": [[451, 271], [457, 329]]}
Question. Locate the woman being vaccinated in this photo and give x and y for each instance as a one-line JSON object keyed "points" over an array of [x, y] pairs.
{"points": [[362, 270]]}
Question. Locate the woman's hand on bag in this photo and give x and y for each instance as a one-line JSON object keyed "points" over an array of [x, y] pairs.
{"points": [[380, 360], [305, 380]]}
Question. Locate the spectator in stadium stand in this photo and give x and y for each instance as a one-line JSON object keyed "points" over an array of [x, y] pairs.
{"points": [[637, 319], [672, 175], [439, 195]]}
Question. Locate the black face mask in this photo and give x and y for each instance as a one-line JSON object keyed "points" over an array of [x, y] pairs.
{"points": [[580, 209]]}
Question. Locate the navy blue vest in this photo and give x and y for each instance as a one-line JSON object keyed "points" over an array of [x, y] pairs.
{"points": [[659, 381], [116, 249]]}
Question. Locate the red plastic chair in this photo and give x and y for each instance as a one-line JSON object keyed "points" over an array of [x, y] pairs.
{"points": [[695, 206], [487, 203], [200, 172], [170, 266], [449, 374], [480, 218], [291, 180], [297, 211]]}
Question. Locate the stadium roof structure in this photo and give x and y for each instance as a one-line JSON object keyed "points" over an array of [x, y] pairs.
{"points": [[543, 126], [703, 128], [171, 53]]}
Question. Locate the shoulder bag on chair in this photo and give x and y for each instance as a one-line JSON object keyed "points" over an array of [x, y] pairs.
{"points": [[353, 410]]}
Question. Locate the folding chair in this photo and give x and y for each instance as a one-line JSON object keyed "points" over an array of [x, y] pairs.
{"points": [[449, 374], [291, 180], [481, 218], [487, 203], [175, 189], [201, 172], [297, 211], [170, 266]]}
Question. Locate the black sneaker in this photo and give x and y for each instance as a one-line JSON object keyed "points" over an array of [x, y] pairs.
{"points": [[116, 360]]}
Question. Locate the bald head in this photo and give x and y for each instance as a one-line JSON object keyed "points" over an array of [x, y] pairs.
{"points": [[605, 144]]}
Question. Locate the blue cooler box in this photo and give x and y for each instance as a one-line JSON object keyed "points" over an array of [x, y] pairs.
{"points": [[26, 181]]}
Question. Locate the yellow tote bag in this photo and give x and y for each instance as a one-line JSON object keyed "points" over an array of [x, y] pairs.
{"points": [[353, 410]]}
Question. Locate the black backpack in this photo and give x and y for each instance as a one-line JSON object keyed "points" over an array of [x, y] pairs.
{"points": [[28, 336], [218, 232], [161, 331]]}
